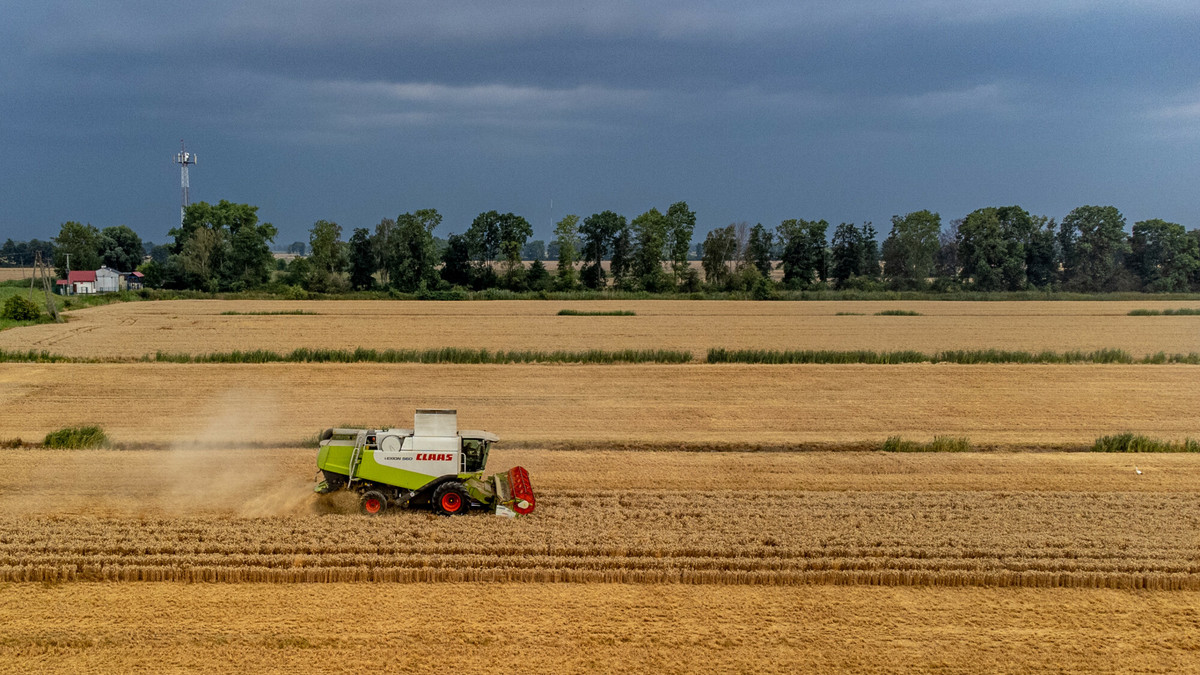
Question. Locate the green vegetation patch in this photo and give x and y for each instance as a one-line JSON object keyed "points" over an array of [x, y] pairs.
{"points": [[580, 312], [1130, 442], [281, 312], [443, 355], [32, 356], [897, 312], [938, 444], [76, 438], [962, 357], [1182, 311]]}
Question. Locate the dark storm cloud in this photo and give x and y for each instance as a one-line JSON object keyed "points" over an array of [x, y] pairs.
{"points": [[358, 110]]}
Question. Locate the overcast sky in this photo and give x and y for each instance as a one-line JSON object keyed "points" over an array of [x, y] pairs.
{"points": [[351, 111]]}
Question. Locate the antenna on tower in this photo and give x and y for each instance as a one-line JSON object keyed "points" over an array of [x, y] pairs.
{"points": [[184, 159]]}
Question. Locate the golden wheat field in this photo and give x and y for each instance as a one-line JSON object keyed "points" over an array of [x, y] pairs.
{"points": [[679, 527], [576, 628], [10, 273], [763, 562], [691, 518], [198, 326], [659, 405]]}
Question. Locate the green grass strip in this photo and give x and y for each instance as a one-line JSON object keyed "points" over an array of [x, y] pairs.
{"points": [[963, 357], [32, 356], [938, 444], [442, 355], [1130, 442], [580, 312], [1183, 311], [897, 312]]}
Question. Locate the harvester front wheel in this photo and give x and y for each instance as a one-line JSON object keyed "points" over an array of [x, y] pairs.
{"points": [[372, 503], [450, 499]]}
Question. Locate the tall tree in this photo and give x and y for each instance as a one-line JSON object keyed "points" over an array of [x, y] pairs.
{"points": [[758, 249], [236, 255], [803, 260], [362, 260], [650, 232], [946, 266], [81, 243], [1163, 256], [328, 258], [384, 248], [1041, 253], [566, 240], [991, 247], [121, 248], [719, 248], [621, 263], [534, 250], [911, 247], [412, 261], [597, 233], [1094, 247], [456, 261], [847, 256], [681, 226], [514, 231]]}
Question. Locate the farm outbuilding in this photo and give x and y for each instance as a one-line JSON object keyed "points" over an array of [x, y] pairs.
{"points": [[78, 283], [108, 280]]}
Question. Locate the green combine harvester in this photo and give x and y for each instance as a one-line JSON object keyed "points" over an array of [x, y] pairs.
{"points": [[433, 464]]}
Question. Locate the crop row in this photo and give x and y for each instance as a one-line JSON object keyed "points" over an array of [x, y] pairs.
{"points": [[1124, 540], [459, 355], [234, 574]]}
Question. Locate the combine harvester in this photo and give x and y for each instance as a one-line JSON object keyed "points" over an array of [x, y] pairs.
{"points": [[433, 464]]}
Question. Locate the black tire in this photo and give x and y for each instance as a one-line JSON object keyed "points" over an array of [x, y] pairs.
{"points": [[450, 499], [372, 503]]}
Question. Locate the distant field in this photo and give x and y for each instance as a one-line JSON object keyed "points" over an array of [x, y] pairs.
{"points": [[10, 273], [618, 404], [201, 326]]}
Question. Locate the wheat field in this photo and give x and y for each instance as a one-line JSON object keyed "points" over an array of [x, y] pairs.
{"points": [[134, 329], [679, 526], [729, 405], [576, 628], [691, 518]]}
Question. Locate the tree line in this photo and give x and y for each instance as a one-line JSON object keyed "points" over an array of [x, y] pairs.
{"points": [[223, 247]]}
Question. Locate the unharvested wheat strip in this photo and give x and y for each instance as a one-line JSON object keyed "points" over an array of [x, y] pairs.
{"points": [[644, 403]]}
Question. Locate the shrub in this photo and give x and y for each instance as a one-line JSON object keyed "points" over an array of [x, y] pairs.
{"points": [[76, 438], [897, 312], [20, 308]]}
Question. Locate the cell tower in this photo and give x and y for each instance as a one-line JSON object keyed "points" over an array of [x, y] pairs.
{"points": [[184, 159]]}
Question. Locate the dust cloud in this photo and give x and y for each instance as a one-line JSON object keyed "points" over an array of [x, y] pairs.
{"points": [[205, 472]]}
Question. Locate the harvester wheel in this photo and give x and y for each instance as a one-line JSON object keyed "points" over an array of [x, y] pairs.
{"points": [[372, 503], [450, 499]]}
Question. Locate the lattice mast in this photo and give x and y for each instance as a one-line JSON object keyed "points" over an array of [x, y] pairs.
{"points": [[184, 159]]}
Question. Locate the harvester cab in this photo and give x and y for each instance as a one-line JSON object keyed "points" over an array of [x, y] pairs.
{"points": [[433, 464]]}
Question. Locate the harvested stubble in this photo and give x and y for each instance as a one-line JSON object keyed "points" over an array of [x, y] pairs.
{"points": [[131, 330], [593, 628], [723, 518], [759, 538]]}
